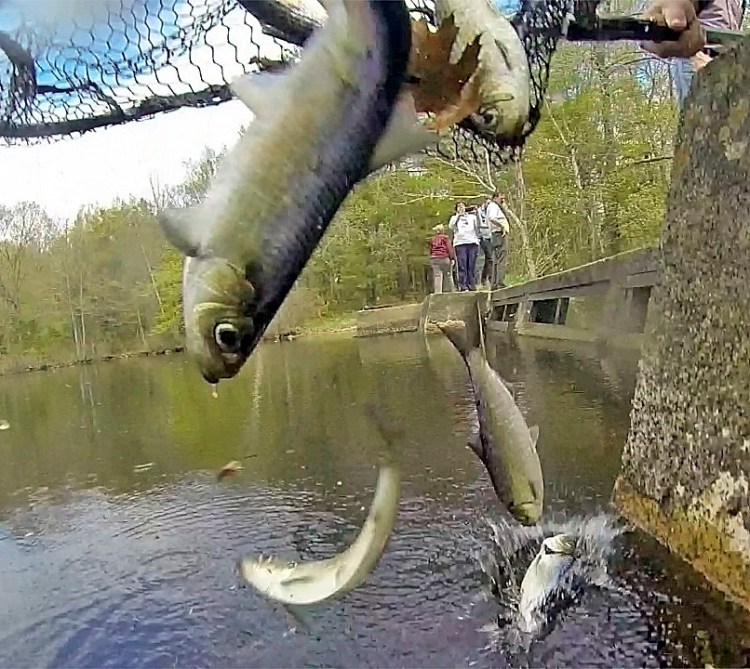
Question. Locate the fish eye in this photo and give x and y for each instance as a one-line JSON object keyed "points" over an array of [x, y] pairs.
{"points": [[227, 336], [489, 116]]}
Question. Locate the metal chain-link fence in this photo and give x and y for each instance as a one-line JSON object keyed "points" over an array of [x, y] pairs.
{"points": [[69, 66]]}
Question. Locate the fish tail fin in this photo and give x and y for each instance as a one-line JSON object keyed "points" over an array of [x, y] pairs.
{"points": [[466, 334], [455, 331], [404, 134]]}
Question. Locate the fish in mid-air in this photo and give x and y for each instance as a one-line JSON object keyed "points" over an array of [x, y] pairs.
{"points": [[501, 83], [314, 581], [311, 582], [544, 579], [320, 127], [505, 443]]}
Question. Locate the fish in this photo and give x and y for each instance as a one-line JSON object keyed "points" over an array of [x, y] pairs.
{"points": [[544, 579], [320, 127], [506, 445], [502, 80], [304, 583]]}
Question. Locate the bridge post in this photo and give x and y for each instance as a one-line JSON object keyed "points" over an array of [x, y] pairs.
{"points": [[685, 474]]}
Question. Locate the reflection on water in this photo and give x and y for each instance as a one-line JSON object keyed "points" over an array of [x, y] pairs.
{"points": [[105, 563]]}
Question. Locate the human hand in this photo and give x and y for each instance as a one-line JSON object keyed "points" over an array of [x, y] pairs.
{"points": [[680, 16]]}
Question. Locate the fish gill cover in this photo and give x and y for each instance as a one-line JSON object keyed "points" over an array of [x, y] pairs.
{"points": [[70, 66]]}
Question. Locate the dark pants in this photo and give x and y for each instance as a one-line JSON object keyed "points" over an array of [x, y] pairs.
{"points": [[466, 258], [499, 256], [483, 271]]}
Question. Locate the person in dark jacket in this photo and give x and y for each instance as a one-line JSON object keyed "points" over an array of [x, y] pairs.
{"points": [[442, 257]]}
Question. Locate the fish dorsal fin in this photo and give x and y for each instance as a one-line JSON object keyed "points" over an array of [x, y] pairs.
{"points": [[181, 229], [404, 134], [262, 93], [534, 434]]}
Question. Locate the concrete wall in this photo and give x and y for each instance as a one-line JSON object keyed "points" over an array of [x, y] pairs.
{"points": [[686, 464], [605, 301], [388, 320], [449, 306]]}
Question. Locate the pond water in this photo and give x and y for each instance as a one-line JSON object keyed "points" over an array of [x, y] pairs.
{"points": [[118, 546]]}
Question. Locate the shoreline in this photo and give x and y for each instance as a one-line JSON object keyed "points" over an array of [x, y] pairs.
{"points": [[341, 326]]}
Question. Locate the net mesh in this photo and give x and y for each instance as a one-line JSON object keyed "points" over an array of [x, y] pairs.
{"points": [[70, 66]]}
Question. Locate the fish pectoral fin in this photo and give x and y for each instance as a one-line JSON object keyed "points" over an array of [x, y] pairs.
{"points": [[403, 136], [261, 92], [534, 434], [181, 230]]}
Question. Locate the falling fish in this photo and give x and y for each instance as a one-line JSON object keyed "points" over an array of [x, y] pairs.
{"points": [[4, 425], [320, 127], [505, 444], [544, 579], [310, 582], [501, 84]]}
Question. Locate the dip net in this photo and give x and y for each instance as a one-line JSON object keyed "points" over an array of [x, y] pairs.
{"points": [[72, 66]]}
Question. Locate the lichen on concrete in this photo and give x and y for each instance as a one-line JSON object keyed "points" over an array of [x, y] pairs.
{"points": [[686, 464]]}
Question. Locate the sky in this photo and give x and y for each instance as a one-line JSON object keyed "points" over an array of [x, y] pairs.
{"points": [[120, 161], [117, 161]]}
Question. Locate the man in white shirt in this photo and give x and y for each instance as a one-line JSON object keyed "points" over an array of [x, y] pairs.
{"points": [[499, 226]]}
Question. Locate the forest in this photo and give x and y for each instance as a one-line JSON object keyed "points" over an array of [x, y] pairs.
{"points": [[592, 182]]}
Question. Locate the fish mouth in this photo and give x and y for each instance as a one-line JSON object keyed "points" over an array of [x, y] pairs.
{"points": [[210, 377], [525, 513]]}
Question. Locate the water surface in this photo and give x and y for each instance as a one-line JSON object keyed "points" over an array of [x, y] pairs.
{"points": [[119, 547]]}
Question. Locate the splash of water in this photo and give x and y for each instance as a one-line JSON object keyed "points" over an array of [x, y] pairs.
{"points": [[512, 548]]}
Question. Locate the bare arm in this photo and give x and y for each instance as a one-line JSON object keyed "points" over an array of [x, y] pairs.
{"points": [[680, 15]]}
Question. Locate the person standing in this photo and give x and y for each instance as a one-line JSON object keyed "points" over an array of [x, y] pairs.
{"points": [[499, 228], [484, 277], [442, 257], [465, 229]]}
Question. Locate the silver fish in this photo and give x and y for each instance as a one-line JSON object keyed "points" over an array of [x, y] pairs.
{"points": [[543, 580], [505, 444], [314, 581], [503, 76], [320, 127], [311, 582]]}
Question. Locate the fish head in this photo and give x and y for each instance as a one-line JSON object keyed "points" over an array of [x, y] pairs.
{"points": [[559, 544], [265, 572], [220, 332], [524, 502]]}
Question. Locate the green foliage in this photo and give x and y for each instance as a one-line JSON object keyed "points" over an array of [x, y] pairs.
{"points": [[592, 182]]}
